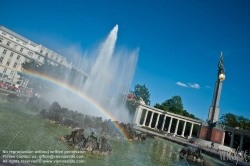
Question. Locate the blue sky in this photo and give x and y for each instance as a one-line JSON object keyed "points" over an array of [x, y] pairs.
{"points": [[179, 41]]}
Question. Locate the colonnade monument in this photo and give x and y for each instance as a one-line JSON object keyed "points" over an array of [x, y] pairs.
{"points": [[208, 131]]}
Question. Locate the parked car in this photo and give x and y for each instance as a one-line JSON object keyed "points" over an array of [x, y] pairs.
{"points": [[4, 86], [13, 88]]}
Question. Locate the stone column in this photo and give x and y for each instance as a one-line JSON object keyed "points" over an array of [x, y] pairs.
{"points": [[241, 141], [176, 128], [170, 123], [137, 116], [162, 127], [145, 118], [191, 130], [223, 138], [198, 133], [157, 121], [232, 140], [183, 129], [151, 119]]}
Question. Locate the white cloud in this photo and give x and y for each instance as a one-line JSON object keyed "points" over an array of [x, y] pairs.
{"points": [[209, 87], [181, 84], [196, 86]]}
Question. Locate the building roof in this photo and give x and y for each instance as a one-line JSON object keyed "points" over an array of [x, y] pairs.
{"points": [[130, 97]]}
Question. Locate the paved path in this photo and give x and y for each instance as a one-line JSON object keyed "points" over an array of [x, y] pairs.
{"points": [[185, 142]]}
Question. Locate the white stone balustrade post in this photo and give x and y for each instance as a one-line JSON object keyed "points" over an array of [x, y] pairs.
{"points": [[199, 130], [170, 123], [223, 138], [191, 130], [162, 127], [176, 127], [157, 121], [151, 119], [137, 116], [145, 118], [183, 129]]}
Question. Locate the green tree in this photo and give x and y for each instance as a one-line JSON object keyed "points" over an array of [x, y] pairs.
{"points": [[232, 120], [55, 71], [175, 105], [141, 91], [30, 65], [172, 105], [161, 107]]}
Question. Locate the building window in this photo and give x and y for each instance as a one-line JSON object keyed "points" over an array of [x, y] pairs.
{"points": [[1, 59], [4, 51], [8, 63], [8, 43], [15, 64], [1, 40], [17, 40], [41, 51], [18, 57], [56, 59], [30, 53], [3, 33], [5, 76], [15, 46], [11, 54], [46, 54], [39, 57], [51, 56], [60, 61], [21, 49], [11, 73], [5, 70]]}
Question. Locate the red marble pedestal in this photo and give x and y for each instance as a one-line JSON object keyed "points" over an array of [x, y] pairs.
{"points": [[211, 134]]}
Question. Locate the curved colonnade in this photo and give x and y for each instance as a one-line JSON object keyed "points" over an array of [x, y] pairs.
{"points": [[158, 113], [141, 121]]}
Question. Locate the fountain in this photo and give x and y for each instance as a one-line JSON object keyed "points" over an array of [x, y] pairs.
{"points": [[108, 81], [109, 77]]}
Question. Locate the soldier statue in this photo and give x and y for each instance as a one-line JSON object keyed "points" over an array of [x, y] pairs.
{"points": [[221, 66]]}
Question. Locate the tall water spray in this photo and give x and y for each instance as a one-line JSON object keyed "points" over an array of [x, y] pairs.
{"points": [[101, 76], [108, 81]]}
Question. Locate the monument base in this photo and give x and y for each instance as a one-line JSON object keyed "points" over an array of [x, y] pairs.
{"points": [[213, 114], [212, 134]]}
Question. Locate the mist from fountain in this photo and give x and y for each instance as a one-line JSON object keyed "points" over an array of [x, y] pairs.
{"points": [[108, 81]]}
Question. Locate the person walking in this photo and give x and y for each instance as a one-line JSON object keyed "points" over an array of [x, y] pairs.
{"points": [[245, 155], [212, 145]]}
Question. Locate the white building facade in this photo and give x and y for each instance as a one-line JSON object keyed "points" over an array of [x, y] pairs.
{"points": [[16, 49]]}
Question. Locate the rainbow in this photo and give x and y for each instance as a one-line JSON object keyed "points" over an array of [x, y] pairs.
{"points": [[76, 92]]}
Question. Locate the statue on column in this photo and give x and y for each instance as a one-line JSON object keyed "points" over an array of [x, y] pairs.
{"points": [[221, 65], [221, 71]]}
